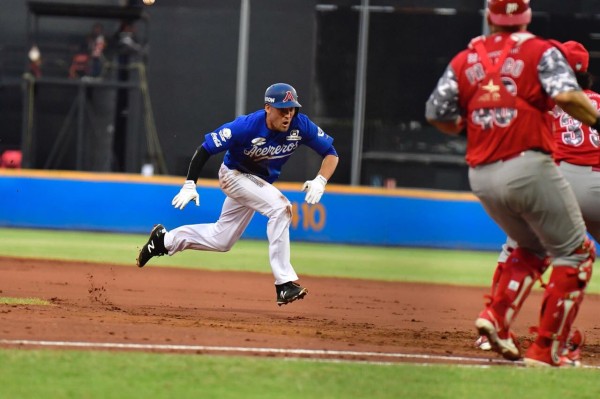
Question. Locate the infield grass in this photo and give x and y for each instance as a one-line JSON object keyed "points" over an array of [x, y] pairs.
{"points": [[471, 268], [378, 263], [74, 374]]}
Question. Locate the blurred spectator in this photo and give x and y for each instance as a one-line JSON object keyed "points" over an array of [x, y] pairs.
{"points": [[127, 42], [96, 46], [80, 65], [35, 61], [89, 59]]}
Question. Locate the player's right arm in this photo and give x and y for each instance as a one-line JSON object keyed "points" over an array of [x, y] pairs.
{"points": [[442, 109], [214, 142], [189, 192]]}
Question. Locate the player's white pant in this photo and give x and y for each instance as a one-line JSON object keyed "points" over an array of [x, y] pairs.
{"points": [[246, 194]]}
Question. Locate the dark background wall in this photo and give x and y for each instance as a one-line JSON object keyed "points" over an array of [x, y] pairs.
{"points": [[192, 64], [192, 67]]}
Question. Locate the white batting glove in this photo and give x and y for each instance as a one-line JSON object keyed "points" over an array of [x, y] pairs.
{"points": [[186, 194], [314, 189]]}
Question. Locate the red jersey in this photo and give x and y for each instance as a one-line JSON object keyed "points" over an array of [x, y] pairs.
{"points": [[495, 134], [576, 143]]}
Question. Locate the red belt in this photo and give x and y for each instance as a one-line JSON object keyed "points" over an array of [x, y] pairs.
{"points": [[595, 168]]}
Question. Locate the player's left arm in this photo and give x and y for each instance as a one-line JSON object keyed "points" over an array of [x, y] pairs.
{"points": [[329, 164], [323, 145], [316, 187]]}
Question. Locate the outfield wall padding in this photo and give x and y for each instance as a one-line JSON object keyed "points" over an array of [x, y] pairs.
{"points": [[346, 215]]}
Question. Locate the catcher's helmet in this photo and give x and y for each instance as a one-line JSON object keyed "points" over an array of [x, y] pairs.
{"points": [[509, 12], [281, 95]]}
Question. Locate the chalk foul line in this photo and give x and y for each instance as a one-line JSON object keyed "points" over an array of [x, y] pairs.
{"points": [[235, 349], [325, 353]]}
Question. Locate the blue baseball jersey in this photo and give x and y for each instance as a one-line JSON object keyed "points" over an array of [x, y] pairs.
{"points": [[253, 148]]}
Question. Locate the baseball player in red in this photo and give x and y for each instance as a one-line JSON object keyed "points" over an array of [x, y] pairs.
{"points": [[578, 145], [500, 89], [578, 156]]}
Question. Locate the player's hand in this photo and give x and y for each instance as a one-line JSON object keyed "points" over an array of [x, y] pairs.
{"points": [[186, 194], [314, 189]]}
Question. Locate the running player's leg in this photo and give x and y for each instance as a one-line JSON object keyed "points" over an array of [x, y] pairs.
{"points": [[219, 236], [262, 197]]}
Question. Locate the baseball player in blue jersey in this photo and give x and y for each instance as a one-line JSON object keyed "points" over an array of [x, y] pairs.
{"points": [[257, 145]]}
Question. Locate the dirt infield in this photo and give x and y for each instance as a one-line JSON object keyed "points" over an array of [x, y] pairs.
{"points": [[175, 308]]}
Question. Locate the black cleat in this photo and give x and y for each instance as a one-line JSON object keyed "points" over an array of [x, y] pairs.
{"points": [[154, 247], [289, 292]]}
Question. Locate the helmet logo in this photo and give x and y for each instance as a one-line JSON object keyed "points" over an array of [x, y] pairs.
{"points": [[511, 7], [288, 96]]}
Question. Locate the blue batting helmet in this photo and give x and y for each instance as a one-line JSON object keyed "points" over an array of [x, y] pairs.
{"points": [[282, 95]]}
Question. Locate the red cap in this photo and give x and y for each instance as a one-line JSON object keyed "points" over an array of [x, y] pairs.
{"points": [[577, 56], [509, 12]]}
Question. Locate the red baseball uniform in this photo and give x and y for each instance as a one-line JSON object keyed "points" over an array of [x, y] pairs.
{"points": [[576, 143], [578, 156], [502, 87], [511, 134]]}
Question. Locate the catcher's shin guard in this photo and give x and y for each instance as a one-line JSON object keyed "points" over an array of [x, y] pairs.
{"points": [[562, 300], [482, 341], [504, 254], [521, 271], [495, 280], [515, 279]]}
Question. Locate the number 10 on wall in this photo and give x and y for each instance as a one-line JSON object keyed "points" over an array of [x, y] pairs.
{"points": [[308, 217]]}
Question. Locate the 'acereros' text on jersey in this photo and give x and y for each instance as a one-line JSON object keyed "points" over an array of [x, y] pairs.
{"points": [[253, 148]]}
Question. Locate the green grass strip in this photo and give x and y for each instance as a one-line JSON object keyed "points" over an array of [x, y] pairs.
{"points": [[76, 374], [23, 301]]}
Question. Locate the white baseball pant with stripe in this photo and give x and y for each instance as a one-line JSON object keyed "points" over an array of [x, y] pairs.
{"points": [[246, 194]]}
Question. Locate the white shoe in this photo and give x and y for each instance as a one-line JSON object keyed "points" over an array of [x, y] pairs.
{"points": [[483, 343]]}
